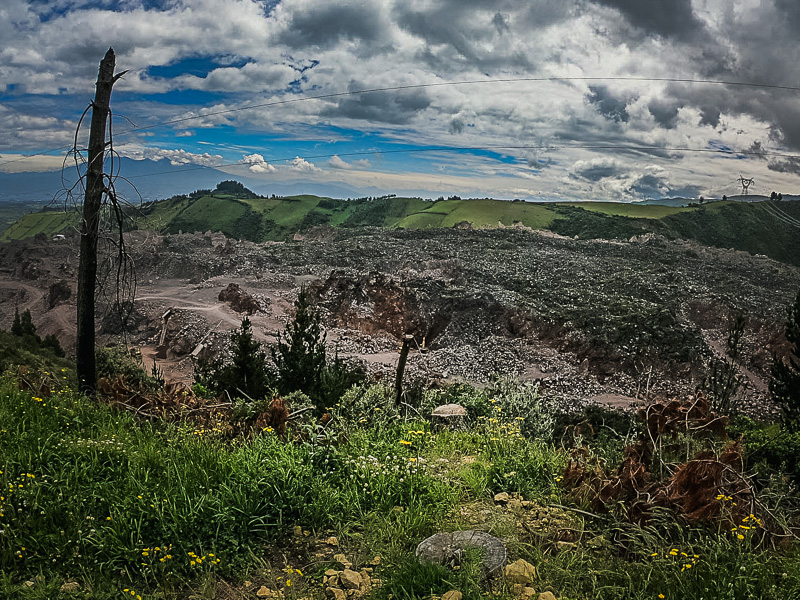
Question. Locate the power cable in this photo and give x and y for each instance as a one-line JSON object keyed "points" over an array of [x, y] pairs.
{"points": [[778, 214], [397, 88]]}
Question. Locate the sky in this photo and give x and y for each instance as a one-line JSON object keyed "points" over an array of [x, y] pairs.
{"points": [[616, 100]]}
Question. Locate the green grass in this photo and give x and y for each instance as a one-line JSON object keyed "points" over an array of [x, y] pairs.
{"points": [[10, 212], [738, 225], [94, 495], [634, 211], [742, 226], [47, 222], [209, 213], [92, 491]]}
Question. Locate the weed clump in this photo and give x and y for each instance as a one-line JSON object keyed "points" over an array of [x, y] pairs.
{"points": [[785, 384]]}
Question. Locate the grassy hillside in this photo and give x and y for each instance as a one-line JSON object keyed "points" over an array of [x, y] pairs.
{"points": [[754, 227], [757, 227], [49, 222], [634, 211]]}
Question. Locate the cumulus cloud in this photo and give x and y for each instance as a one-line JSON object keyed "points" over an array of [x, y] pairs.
{"points": [[302, 165], [257, 164], [252, 65], [177, 157], [337, 162]]}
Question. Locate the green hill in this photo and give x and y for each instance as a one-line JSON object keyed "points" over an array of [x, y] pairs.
{"points": [[766, 228]]}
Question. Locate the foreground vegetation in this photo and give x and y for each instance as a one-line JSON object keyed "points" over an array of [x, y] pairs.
{"points": [[96, 497], [99, 502]]}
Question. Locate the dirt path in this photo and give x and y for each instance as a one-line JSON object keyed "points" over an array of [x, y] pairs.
{"points": [[720, 352]]}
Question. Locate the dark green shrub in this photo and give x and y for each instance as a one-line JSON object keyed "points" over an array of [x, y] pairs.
{"points": [[16, 351], [301, 359], [785, 384], [769, 448], [24, 328], [119, 361], [50, 342], [338, 377], [723, 380], [23, 324], [234, 188]]}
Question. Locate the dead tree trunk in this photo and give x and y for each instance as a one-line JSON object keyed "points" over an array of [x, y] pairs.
{"points": [[90, 224], [401, 367]]}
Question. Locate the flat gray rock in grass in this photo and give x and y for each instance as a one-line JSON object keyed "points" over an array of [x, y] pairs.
{"points": [[453, 416], [448, 548]]}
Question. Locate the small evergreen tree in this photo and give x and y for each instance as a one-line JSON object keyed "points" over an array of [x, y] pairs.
{"points": [[723, 381], [51, 342], [23, 324], [249, 362], [785, 384], [23, 327], [16, 326], [246, 373], [300, 353]]}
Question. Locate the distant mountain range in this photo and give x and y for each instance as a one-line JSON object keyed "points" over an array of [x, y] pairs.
{"points": [[155, 180]]}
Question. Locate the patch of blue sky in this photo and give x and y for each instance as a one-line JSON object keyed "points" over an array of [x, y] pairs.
{"points": [[65, 106], [187, 99], [725, 151], [720, 146], [49, 10], [319, 144], [199, 66]]}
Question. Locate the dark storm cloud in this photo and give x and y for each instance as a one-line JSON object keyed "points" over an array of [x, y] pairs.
{"points": [[667, 18], [500, 23], [665, 113], [608, 105], [654, 186], [595, 171], [778, 109], [324, 26], [790, 10], [385, 107], [788, 165], [709, 115], [471, 32], [450, 39]]}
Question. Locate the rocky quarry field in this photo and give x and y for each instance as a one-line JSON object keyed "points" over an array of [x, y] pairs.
{"points": [[590, 320]]}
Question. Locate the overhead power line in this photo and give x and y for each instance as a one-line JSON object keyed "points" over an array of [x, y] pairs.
{"points": [[399, 88]]}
